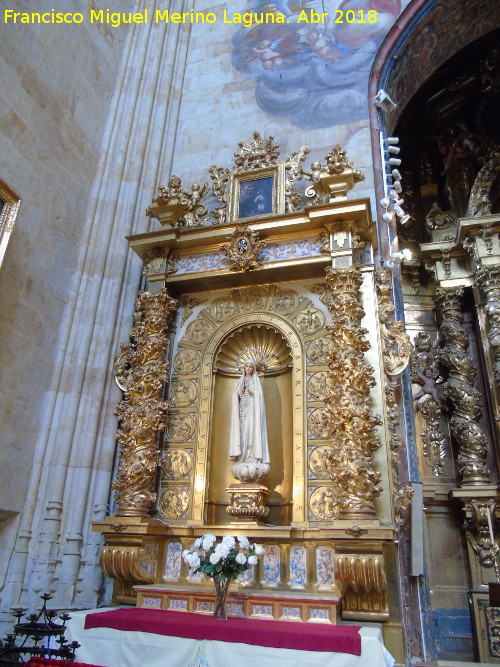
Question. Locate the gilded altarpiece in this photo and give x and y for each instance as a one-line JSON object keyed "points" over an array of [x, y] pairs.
{"points": [[295, 290]]}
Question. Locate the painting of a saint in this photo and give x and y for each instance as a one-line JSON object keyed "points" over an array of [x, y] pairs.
{"points": [[256, 197]]}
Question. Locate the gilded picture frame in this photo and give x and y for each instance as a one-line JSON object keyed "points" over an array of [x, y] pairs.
{"points": [[258, 193]]}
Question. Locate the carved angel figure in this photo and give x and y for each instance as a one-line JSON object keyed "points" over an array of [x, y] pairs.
{"points": [[428, 381]]}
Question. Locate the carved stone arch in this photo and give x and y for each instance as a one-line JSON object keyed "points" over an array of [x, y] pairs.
{"points": [[299, 443], [485, 190]]}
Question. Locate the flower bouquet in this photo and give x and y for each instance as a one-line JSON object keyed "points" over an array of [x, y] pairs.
{"points": [[222, 561]]}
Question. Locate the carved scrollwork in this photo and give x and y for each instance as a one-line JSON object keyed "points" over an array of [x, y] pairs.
{"points": [[465, 399], [351, 423], [363, 583], [256, 153], [295, 173], [124, 563], [488, 279], [178, 207], [243, 248], [141, 412], [397, 345], [479, 522], [480, 197], [220, 178], [424, 371]]}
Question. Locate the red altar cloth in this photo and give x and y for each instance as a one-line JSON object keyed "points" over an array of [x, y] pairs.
{"points": [[47, 662], [276, 634]]}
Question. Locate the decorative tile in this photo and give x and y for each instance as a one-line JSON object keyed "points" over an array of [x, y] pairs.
{"points": [[204, 262], [319, 614], [173, 561], [205, 605], [325, 570], [282, 251], [246, 578], [298, 567], [272, 566], [290, 612], [235, 609], [178, 604], [151, 603], [262, 610]]}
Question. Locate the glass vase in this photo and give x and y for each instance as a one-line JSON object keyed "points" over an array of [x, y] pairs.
{"points": [[221, 589]]}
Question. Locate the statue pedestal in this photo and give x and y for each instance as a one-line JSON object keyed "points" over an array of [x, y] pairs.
{"points": [[248, 501]]}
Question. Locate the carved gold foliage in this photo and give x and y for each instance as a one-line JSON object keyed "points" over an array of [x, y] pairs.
{"points": [[220, 178], [466, 401], [351, 423], [256, 153], [179, 207], [243, 248], [141, 412], [397, 346], [294, 173], [363, 583]]}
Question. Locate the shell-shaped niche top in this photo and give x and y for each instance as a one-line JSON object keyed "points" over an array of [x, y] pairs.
{"points": [[264, 345]]}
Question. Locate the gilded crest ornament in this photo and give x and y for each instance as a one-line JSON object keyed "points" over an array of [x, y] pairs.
{"points": [[243, 249]]}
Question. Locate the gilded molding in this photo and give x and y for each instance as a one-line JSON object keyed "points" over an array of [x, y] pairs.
{"points": [[141, 412], [363, 583], [123, 563], [350, 421], [466, 401]]}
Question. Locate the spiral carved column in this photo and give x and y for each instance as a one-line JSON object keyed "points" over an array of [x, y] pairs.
{"points": [[466, 401], [141, 412], [488, 279], [351, 421]]}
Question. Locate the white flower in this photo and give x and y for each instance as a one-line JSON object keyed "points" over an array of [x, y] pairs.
{"points": [[259, 549], [241, 558], [186, 555], [214, 558], [252, 560], [229, 541], [193, 560], [208, 541], [222, 550], [197, 543], [244, 543]]}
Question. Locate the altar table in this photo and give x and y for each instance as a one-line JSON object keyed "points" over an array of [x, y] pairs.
{"points": [[109, 648]]}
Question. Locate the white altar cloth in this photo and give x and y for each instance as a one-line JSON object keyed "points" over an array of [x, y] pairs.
{"points": [[117, 648]]}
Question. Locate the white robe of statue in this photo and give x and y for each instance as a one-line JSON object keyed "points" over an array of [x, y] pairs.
{"points": [[248, 436]]}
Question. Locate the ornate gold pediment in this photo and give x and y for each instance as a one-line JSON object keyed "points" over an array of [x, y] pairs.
{"points": [[243, 249]]}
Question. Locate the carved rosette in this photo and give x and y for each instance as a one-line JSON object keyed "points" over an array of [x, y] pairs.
{"points": [[466, 401], [243, 248], [141, 412], [488, 279], [351, 423]]}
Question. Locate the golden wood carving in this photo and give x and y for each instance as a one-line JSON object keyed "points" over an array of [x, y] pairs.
{"points": [[174, 501], [334, 179], [256, 153], [177, 207], [351, 422], [396, 355], [363, 583], [479, 525], [466, 401], [480, 197], [488, 279], [264, 345], [248, 501], [123, 563], [293, 163], [425, 373], [243, 249], [176, 464], [141, 411], [190, 303], [397, 346]]}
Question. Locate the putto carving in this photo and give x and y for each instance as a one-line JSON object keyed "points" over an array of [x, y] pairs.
{"points": [[465, 399], [256, 153], [243, 248], [295, 173], [177, 207], [220, 178], [142, 411], [424, 371], [351, 424]]}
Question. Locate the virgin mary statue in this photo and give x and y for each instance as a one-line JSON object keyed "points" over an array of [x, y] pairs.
{"points": [[248, 437]]}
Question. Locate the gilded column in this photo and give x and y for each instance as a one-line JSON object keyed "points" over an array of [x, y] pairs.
{"points": [[351, 421], [466, 401], [142, 410]]}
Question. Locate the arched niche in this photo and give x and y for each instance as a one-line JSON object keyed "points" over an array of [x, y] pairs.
{"points": [[284, 392]]}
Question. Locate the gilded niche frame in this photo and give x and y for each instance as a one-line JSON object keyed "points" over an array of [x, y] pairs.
{"points": [[258, 193]]}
